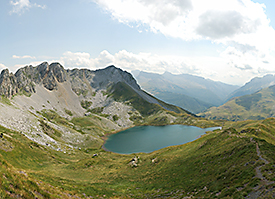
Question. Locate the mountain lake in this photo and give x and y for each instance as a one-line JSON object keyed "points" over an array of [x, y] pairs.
{"points": [[151, 138]]}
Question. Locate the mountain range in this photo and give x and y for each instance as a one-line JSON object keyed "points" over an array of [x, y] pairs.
{"points": [[253, 101], [110, 95], [256, 106], [254, 85], [208, 98], [54, 121], [190, 92]]}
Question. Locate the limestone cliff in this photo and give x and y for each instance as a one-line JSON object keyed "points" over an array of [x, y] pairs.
{"points": [[25, 79], [44, 101]]}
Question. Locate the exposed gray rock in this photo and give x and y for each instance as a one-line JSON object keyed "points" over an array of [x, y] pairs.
{"points": [[51, 74], [49, 82], [8, 84], [78, 80], [82, 80], [27, 77], [58, 72], [111, 75], [134, 162]]}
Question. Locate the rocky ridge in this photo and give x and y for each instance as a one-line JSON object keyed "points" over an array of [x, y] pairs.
{"points": [[25, 79], [35, 97]]}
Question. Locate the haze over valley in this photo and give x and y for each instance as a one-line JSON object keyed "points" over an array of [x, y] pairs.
{"points": [[137, 99]]}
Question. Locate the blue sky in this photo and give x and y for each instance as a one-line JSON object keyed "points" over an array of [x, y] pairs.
{"points": [[230, 40]]}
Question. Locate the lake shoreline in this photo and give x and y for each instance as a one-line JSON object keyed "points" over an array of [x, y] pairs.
{"points": [[152, 138]]}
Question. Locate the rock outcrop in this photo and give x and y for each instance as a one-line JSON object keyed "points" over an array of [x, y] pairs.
{"points": [[84, 79], [25, 79], [110, 98], [8, 84]]}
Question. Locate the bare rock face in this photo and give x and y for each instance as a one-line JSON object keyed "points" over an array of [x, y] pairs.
{"points": [[49, 82], [8, 85], [111, 75], [78, 80], [82, 80], [25, 79], [58, 72], [51, 74]]}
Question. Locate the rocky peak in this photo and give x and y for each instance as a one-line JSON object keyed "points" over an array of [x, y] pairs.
{"points": [[111, 74], [58, 71], [25, 79], [42, 69], [49, 75], [7, 83], [5, 73]]}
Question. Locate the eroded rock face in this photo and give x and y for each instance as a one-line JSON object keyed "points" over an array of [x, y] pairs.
{"points": [[82, 80], [8, 85], [111, 74], [25, 79], [58, 72]]}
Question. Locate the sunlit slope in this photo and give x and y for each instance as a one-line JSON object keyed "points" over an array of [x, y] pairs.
{"points": [[221, 163], [253, 86], [256, 106], [192, 104], [64, 109], [190, 92], [55, 150]]}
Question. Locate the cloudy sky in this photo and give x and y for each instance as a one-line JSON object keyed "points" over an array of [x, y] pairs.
{"points": [[224, 40]]}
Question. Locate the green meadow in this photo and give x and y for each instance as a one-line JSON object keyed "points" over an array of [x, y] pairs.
{"points": [[221, 164]]}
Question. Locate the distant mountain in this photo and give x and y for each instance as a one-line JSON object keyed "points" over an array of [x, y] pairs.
{"points": [[256, 106], [191, 92], [53, 124], [40, 101], [253, 86], [189, 103]]}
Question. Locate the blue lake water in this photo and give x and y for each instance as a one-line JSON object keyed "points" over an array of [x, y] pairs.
{"points": [[151, 138]]}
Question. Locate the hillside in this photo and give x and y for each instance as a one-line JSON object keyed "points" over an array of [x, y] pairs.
{"points": [[187, 91], [253, 86], [189, 103], [36, 100], [259, 105], [234, 162], [54, 122]]}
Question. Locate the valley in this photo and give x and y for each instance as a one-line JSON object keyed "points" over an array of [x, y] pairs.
{"points": [[190, 92], [256, 106], [54, 121]]}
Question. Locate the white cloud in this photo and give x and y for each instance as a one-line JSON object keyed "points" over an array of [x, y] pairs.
{"points": [[20, 6], [2, 66], [128, 61], [215, 24], [239, 24], [84, 60], [23, 57], [246, 59], [239, 70], [191, 19]]}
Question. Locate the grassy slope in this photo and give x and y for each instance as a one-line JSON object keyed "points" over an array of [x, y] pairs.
{"points": [[184, 101], [123, 92], [181, 85], [220, 164], [259, 105], [16, 160]]}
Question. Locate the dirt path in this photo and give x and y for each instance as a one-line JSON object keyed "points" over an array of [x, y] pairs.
{"points": [[264, 182], [258, 171]]}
